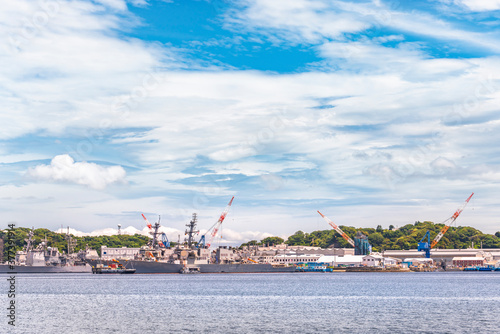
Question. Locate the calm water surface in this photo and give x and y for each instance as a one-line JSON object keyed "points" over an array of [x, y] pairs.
{"points": [[257, 303]]}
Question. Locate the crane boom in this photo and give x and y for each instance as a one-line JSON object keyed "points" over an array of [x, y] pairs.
{"points": [[147, 221], [336, 228], [219, 223], [450, 221]]}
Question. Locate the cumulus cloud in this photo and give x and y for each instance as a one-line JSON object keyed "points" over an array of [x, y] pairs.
{"points": [[227, 236], [64, 169], [130, 230]]}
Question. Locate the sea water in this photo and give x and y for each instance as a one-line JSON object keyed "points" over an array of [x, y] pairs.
{"points": [[441, 302]]}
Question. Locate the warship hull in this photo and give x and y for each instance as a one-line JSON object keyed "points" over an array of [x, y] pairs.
{"points": [[148, 267], [4, 269], [243, 268]]}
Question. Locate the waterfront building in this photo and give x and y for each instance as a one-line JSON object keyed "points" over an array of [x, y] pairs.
{"points": [[342, 261], [88, 254], [374, 260], [391, 262], [419, 261], [466, 261], [224, 255], [447, 255], [294, 258], [377, 260], [123, 253]]}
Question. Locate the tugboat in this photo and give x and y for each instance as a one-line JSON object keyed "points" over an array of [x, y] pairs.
{"points": [[113, 268]]}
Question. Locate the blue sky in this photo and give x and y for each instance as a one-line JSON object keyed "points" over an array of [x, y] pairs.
{"points": [[373, 112]]}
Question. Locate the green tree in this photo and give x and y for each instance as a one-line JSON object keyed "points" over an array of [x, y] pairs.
{"points": [[376, 240], [272, 241], [298, 238], [250, 243], [490, 241]]}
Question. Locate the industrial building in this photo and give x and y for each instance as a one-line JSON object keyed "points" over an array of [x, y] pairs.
{"points": [[468, 261], [123, 253], [342, 261], [295, 258], [447, 255]]}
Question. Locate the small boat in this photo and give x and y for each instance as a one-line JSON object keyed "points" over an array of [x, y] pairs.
{"points": [[487, 268], [479, 268], [471, 268], [112, 269]]}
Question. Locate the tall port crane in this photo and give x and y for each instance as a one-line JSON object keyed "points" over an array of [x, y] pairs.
{"points": [[215, 227], [426, 246], [360, 242], [147, 221], [336, 228]]}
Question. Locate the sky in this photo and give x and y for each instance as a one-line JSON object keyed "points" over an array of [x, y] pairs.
{"points": [[372, 112]]}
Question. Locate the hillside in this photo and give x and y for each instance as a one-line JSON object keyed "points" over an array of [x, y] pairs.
{"points": [[405, 237], [59, 240]]}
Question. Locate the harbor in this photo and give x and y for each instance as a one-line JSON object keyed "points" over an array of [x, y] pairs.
{"points": [[159, 257], [199, 255], [250, 166]]}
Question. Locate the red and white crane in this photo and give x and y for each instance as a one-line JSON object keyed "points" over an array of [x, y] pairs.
{"points": [[215, 228], [447, 223], [147, 221], [336, 228]]}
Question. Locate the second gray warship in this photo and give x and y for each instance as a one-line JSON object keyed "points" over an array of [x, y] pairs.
{"points": [[159, 258], [43, 259]]}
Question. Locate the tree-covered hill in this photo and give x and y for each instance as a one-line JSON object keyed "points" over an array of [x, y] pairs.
{"points": [[405, 237], [59, 240]]}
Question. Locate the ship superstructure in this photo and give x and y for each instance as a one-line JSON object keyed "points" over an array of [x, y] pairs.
{"points": [[45, 259]]}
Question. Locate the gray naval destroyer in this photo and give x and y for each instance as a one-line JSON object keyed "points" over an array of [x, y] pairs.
{"points": [[43, 259], [159, 258]]}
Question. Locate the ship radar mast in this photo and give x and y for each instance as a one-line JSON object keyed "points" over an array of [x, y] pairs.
{"points": [[191, 231]]}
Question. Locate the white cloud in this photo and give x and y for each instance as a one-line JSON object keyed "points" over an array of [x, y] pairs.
{"points": [[68, 66], [227, 236], [233, 237], [320, 21], [129, 230], [480, 5], [295, 20], [443, 165], [371, 126], [64, 169], [115, 4]]}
